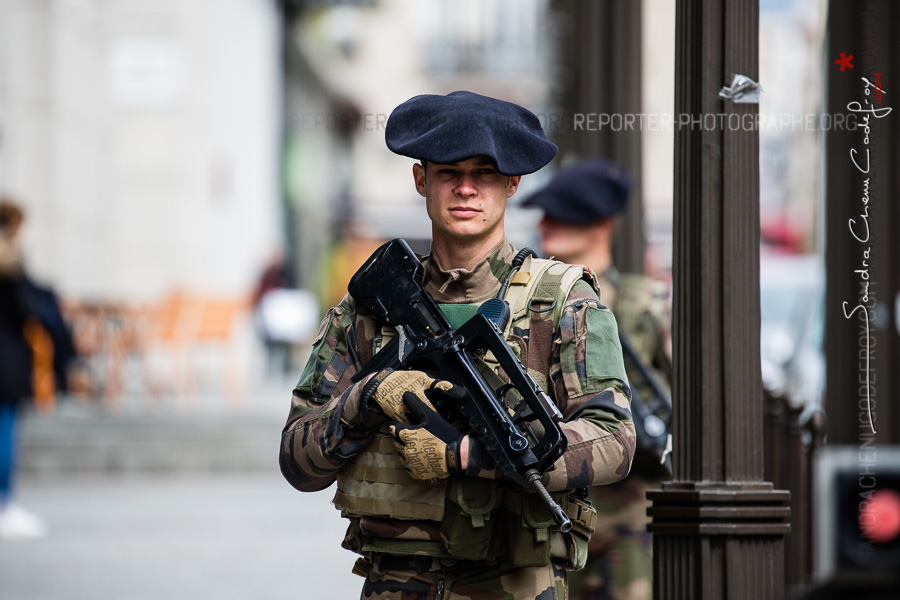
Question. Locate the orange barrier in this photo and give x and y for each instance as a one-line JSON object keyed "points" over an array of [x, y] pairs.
{"points": [[177, 347]]}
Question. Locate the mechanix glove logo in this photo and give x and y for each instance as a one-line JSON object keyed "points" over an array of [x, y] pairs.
{"points": [[395, 384], [423, 455], [428, 446]]}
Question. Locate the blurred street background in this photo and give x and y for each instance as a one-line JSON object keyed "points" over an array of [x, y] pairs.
{"points": [[200, 179], [231, 535], [165, 505]]}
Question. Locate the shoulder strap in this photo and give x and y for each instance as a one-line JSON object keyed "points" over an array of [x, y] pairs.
{"points": [[542, 285], [539, 308], [530, 285]]}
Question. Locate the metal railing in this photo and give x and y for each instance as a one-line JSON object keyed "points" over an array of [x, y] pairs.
{"points": [[792, 435]]}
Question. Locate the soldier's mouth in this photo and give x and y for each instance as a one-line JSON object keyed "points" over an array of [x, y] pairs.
{"points": [[464, 211]]}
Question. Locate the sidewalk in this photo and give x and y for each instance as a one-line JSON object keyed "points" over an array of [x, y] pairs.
{"points": [[228, 536]]}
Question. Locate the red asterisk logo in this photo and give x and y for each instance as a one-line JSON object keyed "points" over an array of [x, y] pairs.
{"points": [[844, 61]]}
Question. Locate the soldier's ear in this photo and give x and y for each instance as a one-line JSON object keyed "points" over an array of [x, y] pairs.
{"points": [[513, 185], [419, 177]]}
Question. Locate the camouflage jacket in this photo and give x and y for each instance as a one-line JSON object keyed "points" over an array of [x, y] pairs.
{"points": [[641, 313], [639, 303], [585, 376]]}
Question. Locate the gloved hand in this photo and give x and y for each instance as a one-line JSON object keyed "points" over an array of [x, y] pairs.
{"points": [[429, 445], [388, 389]]}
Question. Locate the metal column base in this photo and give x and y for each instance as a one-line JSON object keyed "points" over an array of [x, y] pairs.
{"points": [[718, 541]]}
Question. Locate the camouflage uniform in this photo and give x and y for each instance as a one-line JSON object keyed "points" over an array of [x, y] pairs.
{"points": [[620, 563], [471, 537]]}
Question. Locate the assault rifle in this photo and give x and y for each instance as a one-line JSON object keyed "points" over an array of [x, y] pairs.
{"points": [[525, 439]]}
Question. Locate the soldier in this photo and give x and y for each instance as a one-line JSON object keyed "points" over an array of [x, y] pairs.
{"points": [[428, 514], [581, 204]]}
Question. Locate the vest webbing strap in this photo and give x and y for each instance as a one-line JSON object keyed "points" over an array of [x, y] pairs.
{"points": [[389, 508], [536, 289], [547, 288], [401, 546], [372, 473], [518, 294], [382, 443]]}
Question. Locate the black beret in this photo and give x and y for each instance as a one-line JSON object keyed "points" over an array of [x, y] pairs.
{"points": [[462, 125], [585, 192]]}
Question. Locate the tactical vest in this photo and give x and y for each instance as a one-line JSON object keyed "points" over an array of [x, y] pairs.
{"points": [[481, 519]]}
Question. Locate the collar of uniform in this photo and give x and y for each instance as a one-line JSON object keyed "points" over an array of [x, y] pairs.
{"points": [[473, 286]]}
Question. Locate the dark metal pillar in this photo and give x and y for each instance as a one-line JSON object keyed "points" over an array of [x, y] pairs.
{"points": [[600, 96], [718, 527], [862, 248]]}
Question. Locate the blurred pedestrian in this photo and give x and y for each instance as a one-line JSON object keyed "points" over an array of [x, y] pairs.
{"points": [[15, 370], [285, 316], [429, 514], [581, 205], [272, 279]]}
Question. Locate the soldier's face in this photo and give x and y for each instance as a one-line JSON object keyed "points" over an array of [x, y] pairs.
{"points": [[567, 242], [466, 201]]}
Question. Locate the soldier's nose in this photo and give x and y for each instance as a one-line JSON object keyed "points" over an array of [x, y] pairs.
{"points": [[466, 187]]}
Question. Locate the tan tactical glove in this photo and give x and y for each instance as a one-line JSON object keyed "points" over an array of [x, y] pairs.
{"points": [[429, 446], [388, 388]]}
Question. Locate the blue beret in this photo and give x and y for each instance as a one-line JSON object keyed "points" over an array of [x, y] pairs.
{"points": [[462, 125], [585, 192]]}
